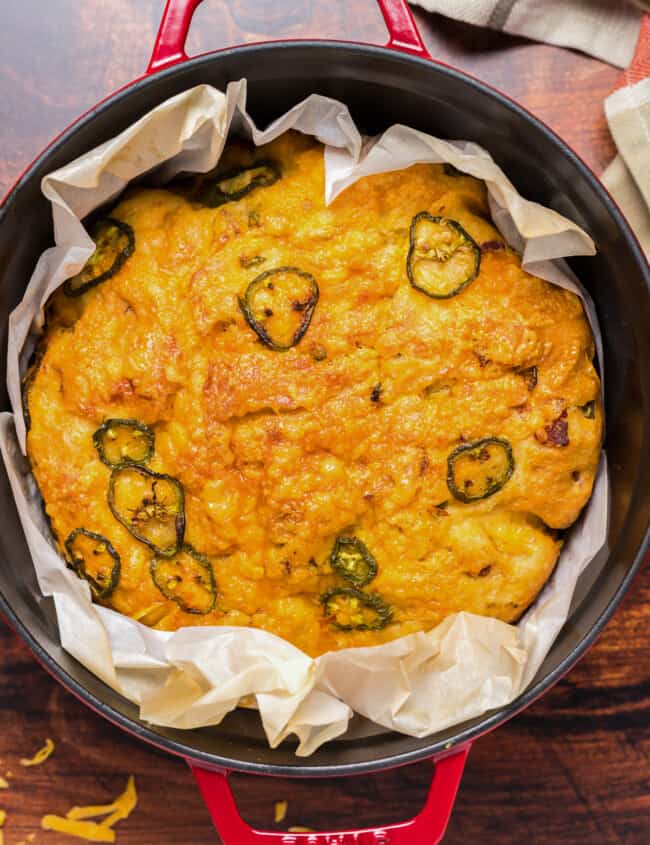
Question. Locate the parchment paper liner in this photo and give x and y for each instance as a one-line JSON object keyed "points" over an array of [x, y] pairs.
{"points": [[419, 684]]}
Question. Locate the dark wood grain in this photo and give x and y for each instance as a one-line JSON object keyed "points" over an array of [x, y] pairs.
{"points": [[575, 767]]}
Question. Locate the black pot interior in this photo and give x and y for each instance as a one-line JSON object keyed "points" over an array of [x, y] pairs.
{"points": [[380, 88]]}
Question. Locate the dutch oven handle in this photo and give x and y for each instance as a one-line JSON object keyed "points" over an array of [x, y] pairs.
{"points": [[427, 828], [169, 48]]}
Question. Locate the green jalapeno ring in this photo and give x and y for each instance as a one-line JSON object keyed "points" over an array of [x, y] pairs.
{"points": [[205, 578], [494, 484], [305, 308], [77, 562], [151, 508], [372, 601], [27, 382], [107, 431], [212, 195], [589, 410], [460, 231], [352, 560], [122, 255]]}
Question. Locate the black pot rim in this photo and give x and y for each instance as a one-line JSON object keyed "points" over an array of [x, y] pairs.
{"points": [[491, 720]]}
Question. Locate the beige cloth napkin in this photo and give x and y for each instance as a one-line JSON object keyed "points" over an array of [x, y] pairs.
{"points": [[628, 115], [615, 31]]}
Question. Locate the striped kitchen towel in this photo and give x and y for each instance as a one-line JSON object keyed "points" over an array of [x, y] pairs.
{"points": [[628, 115], [607, 29]]}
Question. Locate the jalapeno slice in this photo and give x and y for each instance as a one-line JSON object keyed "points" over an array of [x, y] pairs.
{"points": [[236, 184], [443, 259], [351, 559], [122, 443], [589, 410], [27, 382], [114, 243], [479, 469], [25, 387], [188, 579], [93, 558], [279, 304], [352, 610], [150, 505]]}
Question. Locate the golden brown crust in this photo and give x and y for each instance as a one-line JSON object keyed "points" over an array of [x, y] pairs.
{"points": [[279, 452]]}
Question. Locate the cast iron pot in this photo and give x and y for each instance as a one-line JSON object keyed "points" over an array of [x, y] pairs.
{"points": [[398, 83]]}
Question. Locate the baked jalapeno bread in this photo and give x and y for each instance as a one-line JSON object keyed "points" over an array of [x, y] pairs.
{"points": [[339, 424]]}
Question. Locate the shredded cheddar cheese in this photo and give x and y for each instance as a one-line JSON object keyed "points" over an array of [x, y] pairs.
{"points": [[79, 821], [76, 821], [90, 831], [280, 811], [124, 804], [90, 812], [300, 829], [41, 755], [120, 809]]}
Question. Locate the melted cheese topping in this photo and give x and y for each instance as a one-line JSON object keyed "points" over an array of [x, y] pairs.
{"points": [[349, 431]]}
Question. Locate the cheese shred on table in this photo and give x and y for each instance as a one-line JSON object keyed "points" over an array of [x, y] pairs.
{"points": [[41, 755], [76, 821], [90, 831], [280, 811]]}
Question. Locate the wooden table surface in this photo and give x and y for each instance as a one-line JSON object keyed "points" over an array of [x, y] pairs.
{"points": [[575, 767]]}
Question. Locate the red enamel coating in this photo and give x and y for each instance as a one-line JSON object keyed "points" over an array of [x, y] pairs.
{"points": [[427, 828], [403, 32], [169, 48]]}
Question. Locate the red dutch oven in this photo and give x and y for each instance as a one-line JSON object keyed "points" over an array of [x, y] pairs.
{"points": [[398, 83]]}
